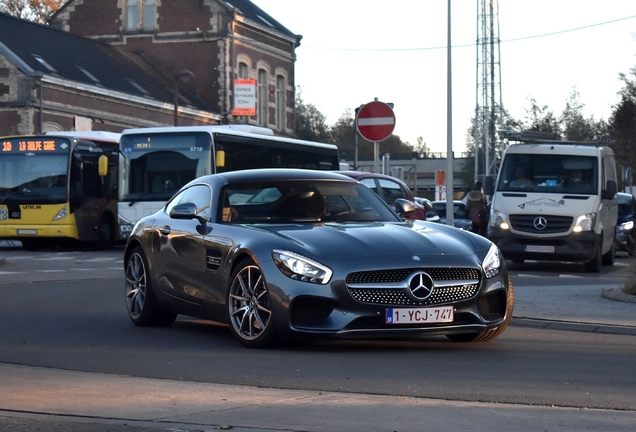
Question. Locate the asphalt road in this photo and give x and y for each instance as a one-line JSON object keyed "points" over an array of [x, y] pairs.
{"points": [[64, 310]]}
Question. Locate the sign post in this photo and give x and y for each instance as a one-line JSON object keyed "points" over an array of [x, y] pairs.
{"points": [[375, 122]]}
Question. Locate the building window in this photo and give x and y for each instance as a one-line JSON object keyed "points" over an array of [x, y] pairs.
{"points": [[280, 102], [242, 71], [262, 97], [141, 14]]}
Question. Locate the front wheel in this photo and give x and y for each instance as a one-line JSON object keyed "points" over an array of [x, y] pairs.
{"points": [[608, 258], [140, 298], [594, 265], [106, 234], [249, 307], [489, 335]]}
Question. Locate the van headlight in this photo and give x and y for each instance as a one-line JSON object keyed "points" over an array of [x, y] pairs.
{"points": [[585, 222], [301, 268], [492, 262], [499, 219]]}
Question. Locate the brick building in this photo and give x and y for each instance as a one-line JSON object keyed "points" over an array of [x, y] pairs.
{"points": [[114, 64]]}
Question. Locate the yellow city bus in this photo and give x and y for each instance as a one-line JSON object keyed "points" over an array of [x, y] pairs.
{"points": [[59, 188]]}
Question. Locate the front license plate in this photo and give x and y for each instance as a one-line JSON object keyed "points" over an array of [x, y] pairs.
{"points": [[419, 315], [542, 249], [27, 232]]}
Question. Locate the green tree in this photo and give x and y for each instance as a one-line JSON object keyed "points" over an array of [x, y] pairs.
{"points": [[542, 119], [622, 123], [310, 123], [573, 124], [31, 10]]}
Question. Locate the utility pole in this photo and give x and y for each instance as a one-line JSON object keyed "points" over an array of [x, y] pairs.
{"points": [[489, 106]]}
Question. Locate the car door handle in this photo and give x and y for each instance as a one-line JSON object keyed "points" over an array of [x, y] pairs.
{"points": [[165, 230]]}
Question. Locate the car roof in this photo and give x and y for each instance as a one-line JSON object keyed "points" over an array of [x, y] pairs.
{"points": [[260, 174]]}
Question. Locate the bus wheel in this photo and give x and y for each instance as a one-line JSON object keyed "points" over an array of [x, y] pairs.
{"points": [[106, 231], [31, 244]]}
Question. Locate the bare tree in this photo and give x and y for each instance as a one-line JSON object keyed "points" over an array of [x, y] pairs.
{"points": [[30, 10]]}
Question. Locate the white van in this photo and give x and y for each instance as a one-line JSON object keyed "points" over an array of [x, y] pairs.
{"points": [[555, 200]]}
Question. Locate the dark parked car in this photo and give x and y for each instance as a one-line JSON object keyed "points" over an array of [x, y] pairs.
{"points": [[293, 253], [460, 216], [390, 189], [625, 230]]}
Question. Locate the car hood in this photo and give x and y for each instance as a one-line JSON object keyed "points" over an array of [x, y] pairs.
{"points": [[346, 240]]}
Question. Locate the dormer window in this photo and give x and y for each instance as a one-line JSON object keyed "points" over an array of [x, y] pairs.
{"points": [[141, 14]]}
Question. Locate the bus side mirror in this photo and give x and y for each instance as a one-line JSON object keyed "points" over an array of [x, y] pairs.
{"points": [[103, 165], [488, 185], [220, 158]]}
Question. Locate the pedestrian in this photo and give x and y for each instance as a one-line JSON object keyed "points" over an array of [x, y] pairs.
{"points": [[476, 207]]}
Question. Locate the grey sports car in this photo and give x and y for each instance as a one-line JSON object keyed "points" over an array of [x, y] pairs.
{"points": [[281, 254]]}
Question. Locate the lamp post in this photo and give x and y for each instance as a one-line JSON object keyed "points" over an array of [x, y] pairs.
{"points": [[182, 77]]}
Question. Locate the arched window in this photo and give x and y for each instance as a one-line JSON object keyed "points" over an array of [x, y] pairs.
{"points": [[280, 102], [263, 97]]}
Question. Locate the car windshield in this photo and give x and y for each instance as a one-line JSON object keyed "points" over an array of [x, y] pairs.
{"points": [[281, 201]]}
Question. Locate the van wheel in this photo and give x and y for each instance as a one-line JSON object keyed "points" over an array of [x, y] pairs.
{"points": [[594, 265], [608, 258]]}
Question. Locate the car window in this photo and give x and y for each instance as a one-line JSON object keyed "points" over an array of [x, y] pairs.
{"points": [[301, 201], [200, 195], [391, 190], [370, 183]]}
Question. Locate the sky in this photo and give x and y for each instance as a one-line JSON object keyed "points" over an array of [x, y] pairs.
{"points": [[354, 51]]}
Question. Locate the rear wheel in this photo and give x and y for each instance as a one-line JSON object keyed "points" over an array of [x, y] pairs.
{"points": [[492, 333], [249, 307], [140, 298], [106, 232]]}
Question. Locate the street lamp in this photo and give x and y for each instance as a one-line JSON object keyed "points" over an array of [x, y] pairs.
{"points": [[182, 77]]}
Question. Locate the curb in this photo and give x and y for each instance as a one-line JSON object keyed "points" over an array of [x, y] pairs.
{"points": [[617, 294]]}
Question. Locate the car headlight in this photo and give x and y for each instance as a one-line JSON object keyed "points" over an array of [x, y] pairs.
{"points": [[301, 268], [492, 262], [499, 219], [61, 214], [626, 226], [585, 222]]}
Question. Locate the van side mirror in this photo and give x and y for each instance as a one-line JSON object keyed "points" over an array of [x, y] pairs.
{"points": [[488, 185], [610, 190]]}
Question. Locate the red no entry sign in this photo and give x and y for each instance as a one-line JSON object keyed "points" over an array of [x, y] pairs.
{"points": [[375, 121]]}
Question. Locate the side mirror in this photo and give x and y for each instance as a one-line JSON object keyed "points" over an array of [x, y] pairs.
{"points": [[102, 165], [488, 185], [186, 211], [610, 190], [403, 206]]}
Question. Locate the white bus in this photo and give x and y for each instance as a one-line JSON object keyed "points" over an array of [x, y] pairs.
{"points": [[157, 162]]}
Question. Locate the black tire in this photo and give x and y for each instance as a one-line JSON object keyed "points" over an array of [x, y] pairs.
{"points": [[106, 234], [141, 303], [31, 245], [594, 265], [608, 258], [489, 335], [249, 307]]}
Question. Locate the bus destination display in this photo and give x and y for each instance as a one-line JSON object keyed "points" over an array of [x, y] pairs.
{"points": [[34, 145]]}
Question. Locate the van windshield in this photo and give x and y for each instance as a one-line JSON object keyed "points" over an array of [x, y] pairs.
{"points": [[549, 173]]}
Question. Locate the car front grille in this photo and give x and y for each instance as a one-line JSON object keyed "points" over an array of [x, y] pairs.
{"points": [[451, 285], [553, 224]]}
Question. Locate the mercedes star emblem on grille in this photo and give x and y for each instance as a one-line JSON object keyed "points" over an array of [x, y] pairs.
{"points": [[421, 286], [540, 223]]}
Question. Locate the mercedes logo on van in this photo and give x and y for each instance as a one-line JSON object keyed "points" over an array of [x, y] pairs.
{"points": [[540, 223], [421, 286]]}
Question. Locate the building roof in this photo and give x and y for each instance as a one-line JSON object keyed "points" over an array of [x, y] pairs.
{"points": [[254, 13], [36, 48]]}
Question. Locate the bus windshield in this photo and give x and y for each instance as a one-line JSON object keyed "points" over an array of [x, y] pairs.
{"points": [[547, 173], [33, 175], [156, 166]]}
